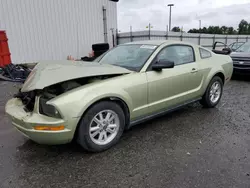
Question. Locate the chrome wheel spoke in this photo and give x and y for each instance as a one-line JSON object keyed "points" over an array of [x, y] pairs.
{"points": [[95, 133], [101, 116], [112, 126], [105, 135], [97, 121], [216, 86], [100, 136], [93, 129], [111, 131], [212, 98], [111, 118], [108, 116]]}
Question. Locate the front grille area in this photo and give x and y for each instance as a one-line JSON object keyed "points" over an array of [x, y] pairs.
{"points": [[28, 99], [241, 62], [43, 105]]}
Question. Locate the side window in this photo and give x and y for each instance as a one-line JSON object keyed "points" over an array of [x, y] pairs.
{"points": [[204, 53], [179, 54]]}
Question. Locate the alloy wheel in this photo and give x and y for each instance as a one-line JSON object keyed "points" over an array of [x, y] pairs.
{"points": [[215, 92], [104, 127]]}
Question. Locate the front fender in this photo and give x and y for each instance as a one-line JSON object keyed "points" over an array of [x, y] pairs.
{"points": [[120, 94], [74, 103]]}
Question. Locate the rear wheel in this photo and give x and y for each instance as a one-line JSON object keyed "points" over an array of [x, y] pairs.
{"points": [[213, 93], [101, 127]]}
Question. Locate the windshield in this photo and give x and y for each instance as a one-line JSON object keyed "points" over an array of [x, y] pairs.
{"points": [[244, 48], [131, 57]]}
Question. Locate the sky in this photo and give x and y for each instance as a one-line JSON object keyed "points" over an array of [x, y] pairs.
{"points": [[185, 13]]}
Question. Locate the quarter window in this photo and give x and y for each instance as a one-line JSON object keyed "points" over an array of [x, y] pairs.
{"points": [[179, 54], [204, 53]]}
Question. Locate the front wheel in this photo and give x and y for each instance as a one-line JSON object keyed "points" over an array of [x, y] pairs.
{"points": [[101, 127], [213, 93]]}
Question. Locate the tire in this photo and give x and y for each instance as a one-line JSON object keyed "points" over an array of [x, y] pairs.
{"points": [[207, 101], [100, 47], [85, 136]]}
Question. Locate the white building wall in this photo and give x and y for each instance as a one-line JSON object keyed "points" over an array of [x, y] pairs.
{"points": [[53, 29]]}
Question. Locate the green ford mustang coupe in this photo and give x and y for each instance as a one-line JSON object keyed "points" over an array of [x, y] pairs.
{"points": [[94, 102]]}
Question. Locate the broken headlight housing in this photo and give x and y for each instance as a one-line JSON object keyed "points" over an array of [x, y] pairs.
{"points": [[47, 109]]}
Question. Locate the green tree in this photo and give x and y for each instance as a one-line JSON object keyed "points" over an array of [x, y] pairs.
{"points": [[193, 31], [210, 30], [224, 29], [230, 31], [176, 29], [217, 30], [203, 30], [243, 27]]}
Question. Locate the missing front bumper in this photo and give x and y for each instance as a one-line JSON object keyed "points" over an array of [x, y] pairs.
{"points": [[26, 121]]}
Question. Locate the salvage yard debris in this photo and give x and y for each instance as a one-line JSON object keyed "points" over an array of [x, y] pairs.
{"points": [[16, 73], [19, 72]]}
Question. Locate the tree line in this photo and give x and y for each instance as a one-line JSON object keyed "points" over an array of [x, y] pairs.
{"points": [[243, 29]]}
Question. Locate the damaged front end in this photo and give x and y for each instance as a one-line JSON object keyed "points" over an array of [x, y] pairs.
{"points": [[28, 99], [53, 78], [43, 96], [34, 110]]}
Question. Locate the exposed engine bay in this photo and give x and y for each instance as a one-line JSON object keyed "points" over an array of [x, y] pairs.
{"points": [[50, 92]]}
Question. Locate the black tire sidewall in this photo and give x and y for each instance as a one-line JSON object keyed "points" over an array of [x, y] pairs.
{"points": [[83, 132], [206, 98]]}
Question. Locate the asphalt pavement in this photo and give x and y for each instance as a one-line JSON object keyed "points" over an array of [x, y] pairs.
{"points": [[192, 147]]}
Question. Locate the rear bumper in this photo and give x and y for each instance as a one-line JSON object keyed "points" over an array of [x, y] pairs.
{"points": [[25, 122]]}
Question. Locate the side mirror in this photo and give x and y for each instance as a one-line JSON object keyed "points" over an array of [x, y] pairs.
{"points": [[162, 64]]}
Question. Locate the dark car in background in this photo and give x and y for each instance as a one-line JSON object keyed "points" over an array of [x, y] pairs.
{"points": [[240, 54], [241, 59], [235, 45]]}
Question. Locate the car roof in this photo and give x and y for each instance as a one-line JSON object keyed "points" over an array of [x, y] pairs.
{"points": [[160, 42]]}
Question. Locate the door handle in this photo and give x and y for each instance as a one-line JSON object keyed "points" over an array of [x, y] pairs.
{"points": [[194, 70]]}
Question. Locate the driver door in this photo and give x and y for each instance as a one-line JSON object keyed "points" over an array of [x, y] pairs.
{"points": [[173, 86]]}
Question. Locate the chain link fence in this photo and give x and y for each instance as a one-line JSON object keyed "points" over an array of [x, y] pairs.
{"points": [[205, 40]]}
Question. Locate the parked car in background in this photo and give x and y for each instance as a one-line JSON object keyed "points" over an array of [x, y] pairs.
{"points": [[235, 45], [241, 59], [240, 55], [95, 102]]}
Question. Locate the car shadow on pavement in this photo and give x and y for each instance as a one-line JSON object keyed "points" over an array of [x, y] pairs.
{"points": [[241, 78], [33, 148]]}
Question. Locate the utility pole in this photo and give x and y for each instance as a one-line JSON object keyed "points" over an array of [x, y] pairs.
{"points": [[199, 24], [113, 36], [149, 30], [149, 27], [131, 33], [170, 14]]}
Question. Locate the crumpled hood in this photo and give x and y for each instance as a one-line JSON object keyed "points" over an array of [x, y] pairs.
{"points": [[240, 54], [48, 73]]}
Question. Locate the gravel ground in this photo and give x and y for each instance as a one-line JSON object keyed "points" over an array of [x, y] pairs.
{"points": [[192, 147]]}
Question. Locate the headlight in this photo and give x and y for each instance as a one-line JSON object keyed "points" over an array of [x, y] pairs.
{"points": [[47, 109]]}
